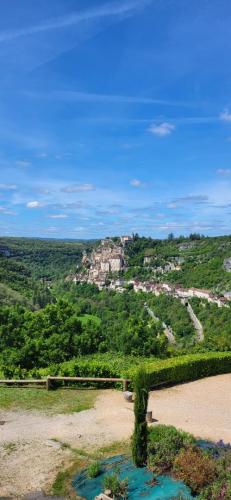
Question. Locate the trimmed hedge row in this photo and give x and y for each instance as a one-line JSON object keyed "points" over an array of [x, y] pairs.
{"points": [[161, 371], [188, 368]]}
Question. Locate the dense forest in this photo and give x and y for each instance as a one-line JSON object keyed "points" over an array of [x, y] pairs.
{"points": [[27, 264], [45, 319]]}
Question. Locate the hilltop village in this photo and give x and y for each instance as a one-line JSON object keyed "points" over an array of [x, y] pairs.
{"points": [[104, 267], [106, 260]]}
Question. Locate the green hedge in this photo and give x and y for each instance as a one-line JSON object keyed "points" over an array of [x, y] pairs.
{"points": [[161, 371], [167, 371], [189, 367]]}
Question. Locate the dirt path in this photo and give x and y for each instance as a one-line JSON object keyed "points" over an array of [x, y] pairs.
{"points": [[197, 324], [167, 329], [29, 461]]}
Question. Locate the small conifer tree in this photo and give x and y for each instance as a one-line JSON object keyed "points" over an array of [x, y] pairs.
{"points": [[139, 440]]}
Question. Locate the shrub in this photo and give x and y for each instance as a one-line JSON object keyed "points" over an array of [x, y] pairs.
{"points": [[139, 439], [118, 487], [219, 490], [164, 443], [195, 468], [93, 470]]}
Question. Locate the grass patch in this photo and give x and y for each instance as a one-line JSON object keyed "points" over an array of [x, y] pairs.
{"points": [[58, 401], [9, 447], [89, 317]]}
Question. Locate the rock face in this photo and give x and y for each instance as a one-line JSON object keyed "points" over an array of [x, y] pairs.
{"points": [[227, 264]]}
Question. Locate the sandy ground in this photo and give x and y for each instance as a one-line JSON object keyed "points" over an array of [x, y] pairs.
{"points": [[29, 461]]}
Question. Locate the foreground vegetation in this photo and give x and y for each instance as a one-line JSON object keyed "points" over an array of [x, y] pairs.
{"points": [[82, 459], [160, 371], [206, 471], [52, 402], [85, 322]]}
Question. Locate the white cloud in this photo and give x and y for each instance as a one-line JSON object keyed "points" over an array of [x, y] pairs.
{"points": [[33, 204], [76, 188], [52, 229], [197, 199], [22, 163], [161, 130], [6, 211], [223, 171], [115, 9], [225, 116], [8, 187], [172, 225], [136, 183], [42, 155], [77, 96], [57, 216]]}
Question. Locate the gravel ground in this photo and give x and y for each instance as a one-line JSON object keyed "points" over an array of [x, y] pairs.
{"points": [[30, 459]]}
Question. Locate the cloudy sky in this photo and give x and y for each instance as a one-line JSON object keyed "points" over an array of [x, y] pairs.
{"points": [[115, 117]]}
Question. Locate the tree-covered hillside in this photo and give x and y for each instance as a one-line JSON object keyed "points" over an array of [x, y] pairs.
{"points": [[26, 261], [196, 261]]}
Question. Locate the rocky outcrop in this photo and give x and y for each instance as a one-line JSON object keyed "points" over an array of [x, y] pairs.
{"points": [[227, 264]]}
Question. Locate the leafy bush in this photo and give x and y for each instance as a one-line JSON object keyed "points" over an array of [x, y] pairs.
{"points": [[219, 490], [195, 468], [118, 487], [164, 443], [93, 470], [139, 439]]}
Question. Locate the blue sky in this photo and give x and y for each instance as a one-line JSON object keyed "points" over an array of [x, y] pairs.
{"points": [[115, 117]]}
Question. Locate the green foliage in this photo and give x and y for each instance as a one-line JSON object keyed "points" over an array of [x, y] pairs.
{"points": [[35, 339], [25, 261], [203, 260], [84, 321], [216, 323], [218, 490], [195, 468], [164, 443], [174, 314], [190, 367], [139, 438], [125, 325], [117, 486], [93, 470], [160, 371], [8, 296]]}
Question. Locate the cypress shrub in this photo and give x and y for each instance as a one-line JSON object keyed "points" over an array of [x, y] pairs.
{"points": [[140, 436]]}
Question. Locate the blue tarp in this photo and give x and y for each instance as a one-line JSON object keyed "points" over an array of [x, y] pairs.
{"points": [[139, 482]]}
